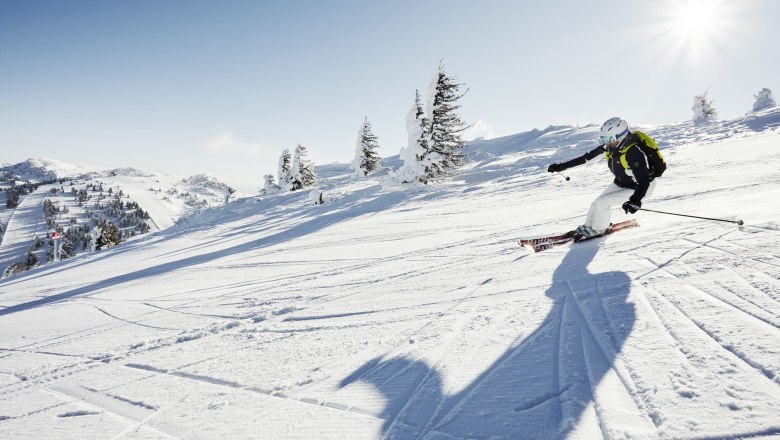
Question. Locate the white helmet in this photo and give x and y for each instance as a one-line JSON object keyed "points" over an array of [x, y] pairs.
{"points": [[614, 129]]}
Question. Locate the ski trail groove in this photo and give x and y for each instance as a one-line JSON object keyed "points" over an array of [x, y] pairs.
{"points": [[734, 254], [736, 353], [715, 297], [238, 386], [432, 370], [625, 377], [516, 348], [586, 333], [132, 322], [123, 409]]}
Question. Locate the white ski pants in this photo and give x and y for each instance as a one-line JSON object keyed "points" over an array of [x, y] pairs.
{"points": [[600, 212]]}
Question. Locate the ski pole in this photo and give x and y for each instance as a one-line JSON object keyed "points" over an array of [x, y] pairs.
{"points": [[564, 175], [739, 222]]}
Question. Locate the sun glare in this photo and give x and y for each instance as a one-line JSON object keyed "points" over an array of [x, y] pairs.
{"points": [[695, 30], [696, 18]]}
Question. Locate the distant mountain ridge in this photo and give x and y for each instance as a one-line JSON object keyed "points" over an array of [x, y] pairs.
{"points": [[44, 170], [47, 170]]}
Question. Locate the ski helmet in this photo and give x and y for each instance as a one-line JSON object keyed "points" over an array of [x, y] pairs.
{"points": [[614, 129]]}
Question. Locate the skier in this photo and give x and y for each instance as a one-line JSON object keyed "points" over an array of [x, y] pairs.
{"points": [[634, 159]]}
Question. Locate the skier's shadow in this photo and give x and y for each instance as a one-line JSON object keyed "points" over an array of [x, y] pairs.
{"points": [[539, 388]]}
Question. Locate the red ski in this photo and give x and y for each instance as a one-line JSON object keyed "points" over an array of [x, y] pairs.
{"points": [[544, 243]]}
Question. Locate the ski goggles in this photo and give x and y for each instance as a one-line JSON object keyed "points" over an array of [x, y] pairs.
{"points": [[608, 139]]}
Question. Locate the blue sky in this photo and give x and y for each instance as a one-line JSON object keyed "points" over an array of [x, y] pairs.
{"points": [[186, 87]]}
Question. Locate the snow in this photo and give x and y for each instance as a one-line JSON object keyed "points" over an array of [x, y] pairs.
{"points": [[167, 199], [359, 154], [39, 170], [764, 100], [413, 168], [24, 224], [393, 313]]}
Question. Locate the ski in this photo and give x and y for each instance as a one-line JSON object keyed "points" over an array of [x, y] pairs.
{"points": [[543, 243]]}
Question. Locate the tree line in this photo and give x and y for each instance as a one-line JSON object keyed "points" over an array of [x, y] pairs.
{"points": [[294, 172], [433, 151], [16, 192], [110, 221]]}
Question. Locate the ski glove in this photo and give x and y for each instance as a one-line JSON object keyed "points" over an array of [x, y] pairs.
{"points": [[631, 206], [556, 168]]}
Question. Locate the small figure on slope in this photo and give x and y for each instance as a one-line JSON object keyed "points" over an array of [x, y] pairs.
{"points": [[634, 159]]}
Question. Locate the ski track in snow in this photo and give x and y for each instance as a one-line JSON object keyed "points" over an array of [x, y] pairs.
{"points": [[413, 314]]}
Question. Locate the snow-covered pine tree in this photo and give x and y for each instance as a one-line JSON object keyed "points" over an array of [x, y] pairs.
{"points": [[285, 171], [12, 199], [446, 126], [229, 191], [303, 173], [366, 158], [109, 237], [112, 234], [66, 248], [764, 100], [703, 111], [31, 259], [269, 184], [94, 237], [417, 157]]}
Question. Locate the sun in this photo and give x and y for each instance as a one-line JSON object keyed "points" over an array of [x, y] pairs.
{"points": [[694, 32], [696, 19]]}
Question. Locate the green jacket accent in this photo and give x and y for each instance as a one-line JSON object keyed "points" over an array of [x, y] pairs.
{"points": [[655, 160], [634, 168]]}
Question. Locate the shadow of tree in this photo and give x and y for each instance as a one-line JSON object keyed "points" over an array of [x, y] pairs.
{"points": [[538, 388]]}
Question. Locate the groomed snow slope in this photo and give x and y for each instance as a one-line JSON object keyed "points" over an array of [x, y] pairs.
{"points": [[413, 313]]}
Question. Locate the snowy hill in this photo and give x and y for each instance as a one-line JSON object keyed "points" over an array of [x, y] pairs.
{"points": [[398, 313], [46, 170], [80, 203], [49, 170], [196, 191]]}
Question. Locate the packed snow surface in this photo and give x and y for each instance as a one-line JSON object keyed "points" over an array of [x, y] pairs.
{"points": [[391, 312]]}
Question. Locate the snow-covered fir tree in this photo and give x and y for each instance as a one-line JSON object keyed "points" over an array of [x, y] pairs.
{"points": [[229, 191], [303, 173], [416, 156], [285, 171], [94, 236], [269, 184], [440, 139], [703, 111], [109, 237], [366, 157], [764, 100], [446, 126], [31, 259]]}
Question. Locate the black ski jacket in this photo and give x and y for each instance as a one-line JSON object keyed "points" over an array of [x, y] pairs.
{"points": [[627, 162]]}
